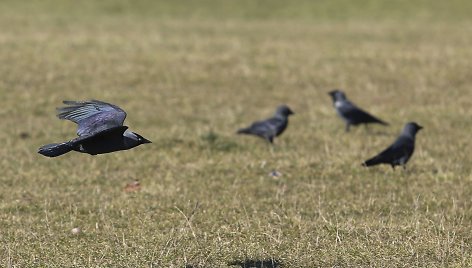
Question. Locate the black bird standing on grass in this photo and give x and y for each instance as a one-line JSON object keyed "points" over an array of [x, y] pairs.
{"points": [[270, 128], [100, 129], [350, 113], [400, 151]]}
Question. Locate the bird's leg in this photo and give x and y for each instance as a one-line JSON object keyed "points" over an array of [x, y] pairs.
{"points": [[272, 147], [347, 127], [270, 141]]}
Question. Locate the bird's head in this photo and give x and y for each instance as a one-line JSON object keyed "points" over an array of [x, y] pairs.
{"points": [[133, 139], [412, 128], [283, 110], [337, 94]]}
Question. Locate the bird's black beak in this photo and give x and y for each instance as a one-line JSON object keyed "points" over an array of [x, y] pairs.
{"points": [[332, 94], [420, 127], [146, 141]]}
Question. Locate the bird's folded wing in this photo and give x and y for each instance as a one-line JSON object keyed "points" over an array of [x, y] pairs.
{"points": [[352, 111], [92, 116], [355, 113], [398, 149], [265, 128]]}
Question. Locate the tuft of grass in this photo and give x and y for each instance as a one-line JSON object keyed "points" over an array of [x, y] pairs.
{"points": [[189, 74]]}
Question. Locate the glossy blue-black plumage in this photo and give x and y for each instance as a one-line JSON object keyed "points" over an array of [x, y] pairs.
{"points": [[350, 113], [99, 127], [92, 116], [270, 128], [400, 151]]}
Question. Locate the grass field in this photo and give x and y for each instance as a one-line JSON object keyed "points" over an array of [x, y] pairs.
{"points": [[189, 74]]}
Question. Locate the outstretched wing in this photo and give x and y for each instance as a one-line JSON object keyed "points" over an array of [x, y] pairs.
{"points": [[92, 116]]}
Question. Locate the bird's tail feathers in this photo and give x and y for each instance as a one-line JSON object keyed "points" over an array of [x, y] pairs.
{"points": [[374, 119], [55, 149], [244, 131], [383, 123], [371, 162]]}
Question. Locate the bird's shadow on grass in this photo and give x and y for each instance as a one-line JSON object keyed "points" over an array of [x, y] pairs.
{"points": [[256, 263]]}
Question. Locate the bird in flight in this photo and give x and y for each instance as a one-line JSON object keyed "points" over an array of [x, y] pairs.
{"points": [[100, 129]]}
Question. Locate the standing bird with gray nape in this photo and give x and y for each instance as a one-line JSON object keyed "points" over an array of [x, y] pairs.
{"points": [[100, 129], [400, 151], [270, 128], [350, 113]]}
